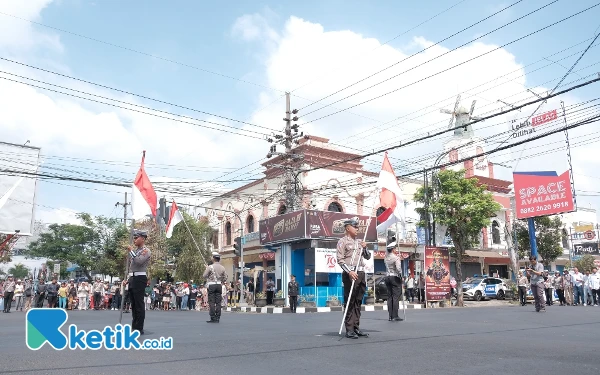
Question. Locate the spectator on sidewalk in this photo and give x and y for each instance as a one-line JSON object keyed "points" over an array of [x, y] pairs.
{"points": [[522, 284], [577, 287], [587, 289], [595, 285], [568, 287], [52, 292], [548, 288], [536, 272], [19, 291], [558, 286], [410, 288]]}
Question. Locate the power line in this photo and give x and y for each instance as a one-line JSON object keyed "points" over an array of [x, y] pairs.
{"points": [[383, 44], [142, 53], [142, 112], [123, 92], [445, 70], [415, 54]]}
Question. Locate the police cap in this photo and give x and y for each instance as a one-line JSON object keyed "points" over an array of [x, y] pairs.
{"points": [[352, 221], [140, 233], [216, 255]]}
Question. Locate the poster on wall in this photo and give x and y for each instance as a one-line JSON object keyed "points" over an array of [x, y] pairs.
{"points": [[437, 274], [325, 261], [542, 193]]}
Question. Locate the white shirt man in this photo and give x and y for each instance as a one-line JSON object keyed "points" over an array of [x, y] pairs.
{"points": [[594, 282]]}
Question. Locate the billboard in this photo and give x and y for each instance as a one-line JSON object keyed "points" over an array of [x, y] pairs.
{"points": [[542, 193], [437, 274], [311, 224], [18, 168], [586, 248]]}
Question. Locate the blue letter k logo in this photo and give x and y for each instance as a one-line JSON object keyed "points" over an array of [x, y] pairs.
{"points": [[43, 325]]}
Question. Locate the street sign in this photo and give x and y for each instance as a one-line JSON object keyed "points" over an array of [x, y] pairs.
{"points": [[57, 268]]}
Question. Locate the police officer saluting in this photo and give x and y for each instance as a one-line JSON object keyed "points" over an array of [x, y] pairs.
{"points": [[350, 254], [215, 275], [139, 258]]}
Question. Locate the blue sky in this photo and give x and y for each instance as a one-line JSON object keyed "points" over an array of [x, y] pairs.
{"points": [[214, 38]]}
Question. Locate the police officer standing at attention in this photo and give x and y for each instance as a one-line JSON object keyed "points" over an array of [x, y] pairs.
{"points": [[393, 282], [293, 293], [215, 275], [350, 254], [139, 258]]}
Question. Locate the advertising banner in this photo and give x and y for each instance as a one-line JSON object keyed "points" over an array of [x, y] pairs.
{"points": [[590, 248], [326, 224], [283, 228], [325, 261], [542, 193], [437, 271]]}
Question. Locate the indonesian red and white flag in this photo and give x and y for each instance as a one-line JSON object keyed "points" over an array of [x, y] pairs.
{"points": [[144, 200], [175, 217], [390, 197]]}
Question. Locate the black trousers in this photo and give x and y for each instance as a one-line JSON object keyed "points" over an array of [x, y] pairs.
{"points": [[293, 303], [394, 289], [52, 301], [596, 296], [561, 296], [97, 300], [269, 298], [353, 301], [8, 297], [137, 287], [39, 300], [215, 299], [549, 296], [523, 295]]}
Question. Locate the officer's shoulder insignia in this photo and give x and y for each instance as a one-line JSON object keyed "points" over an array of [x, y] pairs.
{"points": [[145, 251]]}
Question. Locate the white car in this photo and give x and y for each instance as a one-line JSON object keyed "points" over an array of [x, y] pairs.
{"points": [[478, 288]]}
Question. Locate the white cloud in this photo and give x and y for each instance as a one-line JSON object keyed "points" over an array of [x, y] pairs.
{"points": [[60, 215], [17, 35]]}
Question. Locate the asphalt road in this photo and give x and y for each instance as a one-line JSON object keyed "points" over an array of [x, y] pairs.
{"points": [[487, 340]]}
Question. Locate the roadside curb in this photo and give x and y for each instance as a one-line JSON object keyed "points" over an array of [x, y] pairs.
{"points": [[304, 310]]}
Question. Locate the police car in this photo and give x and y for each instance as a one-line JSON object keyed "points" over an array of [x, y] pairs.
{"points": [[482, 287]]}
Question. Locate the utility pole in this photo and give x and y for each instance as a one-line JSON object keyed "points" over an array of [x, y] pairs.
{"points": [[289, 158], [125, 205]]}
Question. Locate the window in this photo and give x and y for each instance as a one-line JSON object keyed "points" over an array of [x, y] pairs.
{"points": [[496, 233], [334, 207], [228, 233], [565, 239], [215, 240], [250, 224], [282, 209]]}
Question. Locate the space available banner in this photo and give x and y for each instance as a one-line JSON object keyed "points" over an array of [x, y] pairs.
{"points": [[437, 274], [542, 193], [585, 248]]}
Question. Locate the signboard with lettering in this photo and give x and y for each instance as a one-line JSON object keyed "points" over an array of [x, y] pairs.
{"points": [[585, 248], [542, 193], [580, 236], [311, 224], [523, 129]]}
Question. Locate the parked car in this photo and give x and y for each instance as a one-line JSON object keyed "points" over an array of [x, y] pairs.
{"points": [[479, 288]]}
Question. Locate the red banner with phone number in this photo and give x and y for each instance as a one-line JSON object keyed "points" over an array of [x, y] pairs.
{"points": [[542, 193]]}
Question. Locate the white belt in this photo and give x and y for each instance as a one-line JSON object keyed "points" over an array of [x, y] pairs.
{"points": [[212, 283], [137, 274], [357, 269], [392, 274]]}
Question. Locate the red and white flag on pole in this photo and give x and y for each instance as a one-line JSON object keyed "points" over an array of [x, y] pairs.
{"points": [[390, 197], [143, 200], [175, 217]]}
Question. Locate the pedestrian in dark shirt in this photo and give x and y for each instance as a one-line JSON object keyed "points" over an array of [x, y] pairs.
{"points": [[52, 292]]}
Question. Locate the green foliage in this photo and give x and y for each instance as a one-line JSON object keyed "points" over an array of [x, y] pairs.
{"points": [[548, 234], [19, 271], [585, 263], [189, 261], [63, 270], [93, 245], [461, 204]]}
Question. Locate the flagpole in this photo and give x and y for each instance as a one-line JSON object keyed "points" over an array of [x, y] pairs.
{"points": [[127, 262], [375, 196]]}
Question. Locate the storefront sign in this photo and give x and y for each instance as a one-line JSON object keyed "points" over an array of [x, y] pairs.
{"points": [[311, 224], [590, 248], [579, 236], [382, 254], [542, 193], [268, 256], [583, 228], [326, 261], [437, 271]]}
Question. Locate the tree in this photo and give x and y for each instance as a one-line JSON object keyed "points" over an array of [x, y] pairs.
{"points": [[464, 206], [548, 235], [189, 260], [91, 246], [19, 271], [585, 263]]}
